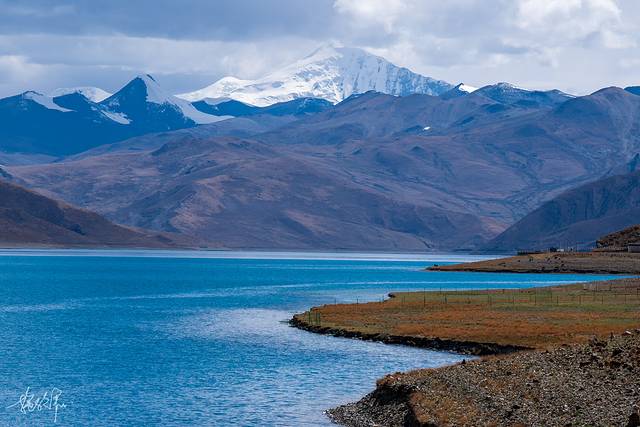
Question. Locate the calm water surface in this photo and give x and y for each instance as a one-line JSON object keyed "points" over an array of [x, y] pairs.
{"points": [[191, 338]]}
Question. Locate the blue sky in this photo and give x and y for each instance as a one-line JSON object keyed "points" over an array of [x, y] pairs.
{"points": [[574, 45]]}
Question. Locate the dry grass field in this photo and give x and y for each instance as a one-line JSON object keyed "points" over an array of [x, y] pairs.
{"points": [[537, 317]]}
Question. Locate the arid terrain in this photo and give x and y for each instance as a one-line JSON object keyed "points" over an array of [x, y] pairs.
{"points": [[555, 262], [591, 384]]}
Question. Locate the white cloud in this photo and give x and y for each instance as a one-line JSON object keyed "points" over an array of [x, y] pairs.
{"points": [[374, 12], [527, 42], [531, 43], [53, 59]]}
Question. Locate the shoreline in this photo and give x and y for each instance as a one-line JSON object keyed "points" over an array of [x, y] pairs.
{"points": [[623, 263], [507, 371], [484, 322], [434, 343], [587, 384]]}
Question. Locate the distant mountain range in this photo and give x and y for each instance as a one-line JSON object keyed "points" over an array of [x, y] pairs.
{"points": [[375, 171], [360, 154], [73, 120], [331, 73], [31, 219], [78, 119]]}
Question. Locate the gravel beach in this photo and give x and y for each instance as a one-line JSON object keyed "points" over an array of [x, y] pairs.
{"points": [[595, 384]]}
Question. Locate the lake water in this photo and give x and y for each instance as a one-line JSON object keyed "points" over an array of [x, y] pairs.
{"points": [[192, 338]]}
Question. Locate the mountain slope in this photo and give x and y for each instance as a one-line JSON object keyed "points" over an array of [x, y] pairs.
{"points": [[577, 217], [633, 89], [28, 219], [620, 240], [235, 108], [247, 194], [331, 73]]}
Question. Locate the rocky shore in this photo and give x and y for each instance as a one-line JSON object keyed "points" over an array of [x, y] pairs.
{"points": [[594, 384]]}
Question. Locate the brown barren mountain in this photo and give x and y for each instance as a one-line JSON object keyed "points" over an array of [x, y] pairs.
{"points": [[577, 217], [620, 240], [30, 219]]}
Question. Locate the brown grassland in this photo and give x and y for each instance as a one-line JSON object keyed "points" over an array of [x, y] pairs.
{"points": [[537, 318]]}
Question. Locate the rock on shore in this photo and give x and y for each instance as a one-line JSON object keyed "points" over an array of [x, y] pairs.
{"points": [[596, 384]]}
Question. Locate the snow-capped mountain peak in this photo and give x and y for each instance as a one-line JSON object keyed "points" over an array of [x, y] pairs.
{"points": [[466, 88], [330, 72], [137, 96], [155, 93], [93, 94]]}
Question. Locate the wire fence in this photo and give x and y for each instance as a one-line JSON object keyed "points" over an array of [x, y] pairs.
{"points": [[597, 296]]}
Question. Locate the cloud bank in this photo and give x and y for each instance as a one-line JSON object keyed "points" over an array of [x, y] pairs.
{"points": [[574, 45]]}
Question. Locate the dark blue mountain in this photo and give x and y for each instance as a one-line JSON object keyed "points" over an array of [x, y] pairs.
{"points": [[76, 102], [72, 123], [508, 94], [633, 89], [33, 123], [230, 107], [299, 106]]}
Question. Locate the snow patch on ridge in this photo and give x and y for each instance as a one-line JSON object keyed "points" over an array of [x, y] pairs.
{"points": [[466, 88], [94, 94], [117, 117], [45, 101]]}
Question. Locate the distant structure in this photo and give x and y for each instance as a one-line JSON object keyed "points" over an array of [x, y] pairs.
{"points": [[634, 247]]}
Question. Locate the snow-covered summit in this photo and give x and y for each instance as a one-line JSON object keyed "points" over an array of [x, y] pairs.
{"points": [[136, 98], [94, 94], [330, 72], [466, 88]]}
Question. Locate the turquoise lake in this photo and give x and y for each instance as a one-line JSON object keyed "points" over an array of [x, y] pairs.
{"points": [[131, 338]]}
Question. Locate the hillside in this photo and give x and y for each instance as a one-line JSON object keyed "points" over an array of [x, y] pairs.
{"points": [[577, 217], [31, 219], [620, 239]]}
